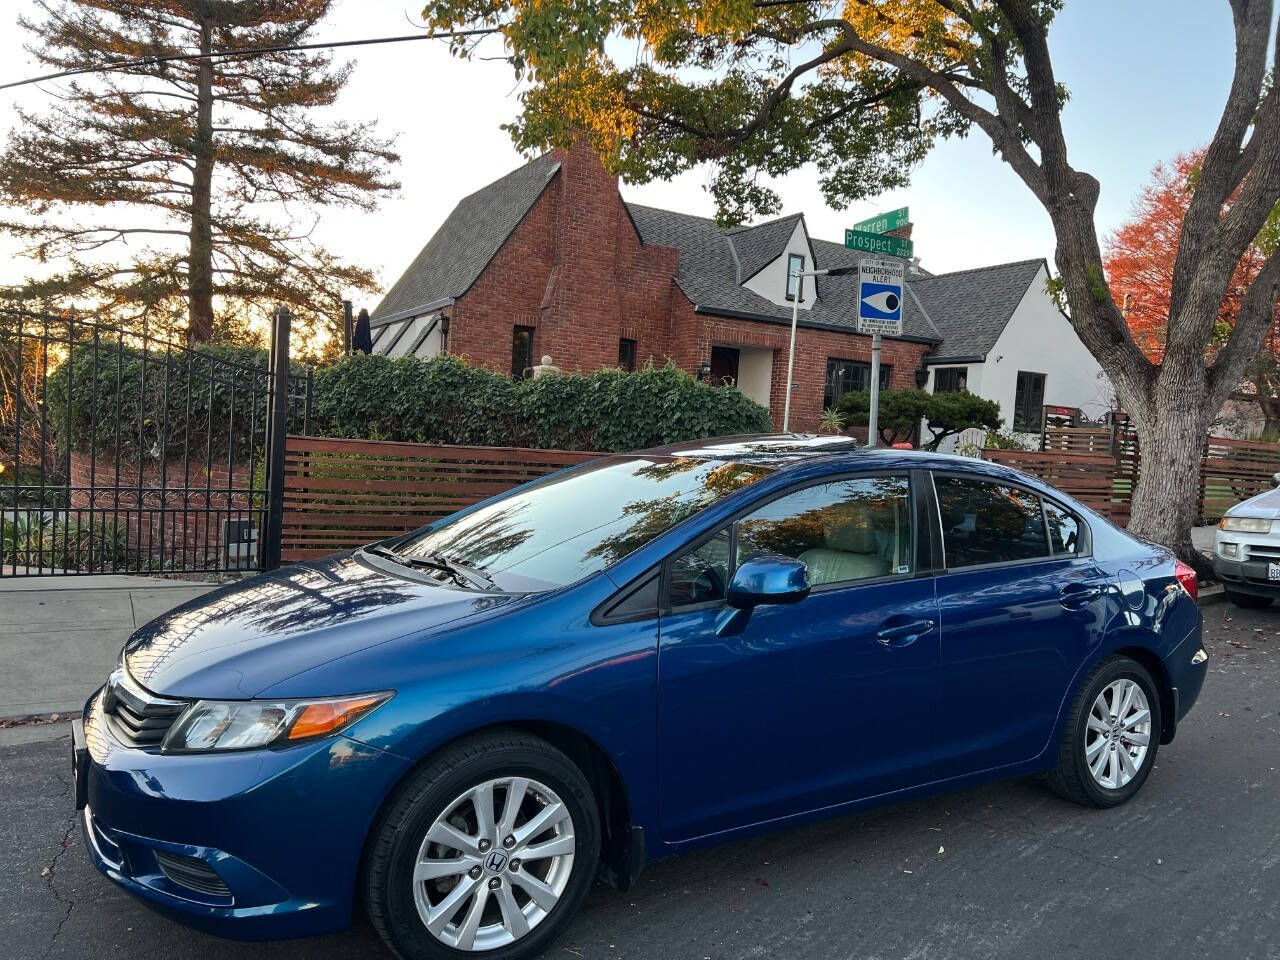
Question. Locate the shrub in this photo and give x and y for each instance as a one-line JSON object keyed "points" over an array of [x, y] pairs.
{"points": [[444, 400], [902, 410], [144, 396]]}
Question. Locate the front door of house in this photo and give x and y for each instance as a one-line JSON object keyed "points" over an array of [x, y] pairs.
{"points": [[724, 366]]}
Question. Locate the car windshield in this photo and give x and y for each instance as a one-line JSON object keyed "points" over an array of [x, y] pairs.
{"points": [[562, 530]]}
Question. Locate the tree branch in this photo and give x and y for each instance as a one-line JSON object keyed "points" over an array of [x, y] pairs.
{"points": [[1257, 313]]}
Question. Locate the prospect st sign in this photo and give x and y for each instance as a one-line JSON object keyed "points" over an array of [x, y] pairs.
{"points": [[875, 243]]}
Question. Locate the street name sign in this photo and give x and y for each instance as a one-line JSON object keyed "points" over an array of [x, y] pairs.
{"points": [[884, 222], [875, 243], [880, 296]]}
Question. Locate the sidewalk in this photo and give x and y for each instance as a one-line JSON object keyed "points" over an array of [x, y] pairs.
{"points": [[60, 636], [1202, 539]]}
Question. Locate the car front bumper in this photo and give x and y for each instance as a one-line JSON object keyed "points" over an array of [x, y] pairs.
{"points": [[1246, 576], [253, 845]]}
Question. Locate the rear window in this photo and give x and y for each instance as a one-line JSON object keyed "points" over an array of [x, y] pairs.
{"points": [[562, 530], [984, 522]]}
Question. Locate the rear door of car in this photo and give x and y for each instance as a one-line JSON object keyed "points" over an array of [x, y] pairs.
{"points": [[1022, 605]]}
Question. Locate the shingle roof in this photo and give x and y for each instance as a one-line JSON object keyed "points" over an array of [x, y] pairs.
{"points": [[468, 239], [971, 307], [708, 275], [963, 312], [760, 245]]}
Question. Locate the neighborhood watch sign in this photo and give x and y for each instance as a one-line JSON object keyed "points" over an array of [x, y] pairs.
{"points": [[880, 296]]}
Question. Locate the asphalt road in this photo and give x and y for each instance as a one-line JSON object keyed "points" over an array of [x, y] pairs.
{"points": [[1190, 868]]}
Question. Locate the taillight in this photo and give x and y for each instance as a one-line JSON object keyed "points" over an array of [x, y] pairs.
{"points": [[1187, 578]]}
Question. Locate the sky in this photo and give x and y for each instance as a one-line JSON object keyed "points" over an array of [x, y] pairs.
{"points": [[1147, 78]]}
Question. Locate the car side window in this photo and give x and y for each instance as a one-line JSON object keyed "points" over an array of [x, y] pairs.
{"points": [[700, 575], [1064, 530], [986, 522], [847, 530]]}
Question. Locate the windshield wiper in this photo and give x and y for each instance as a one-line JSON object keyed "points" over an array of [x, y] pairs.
{"points": [[474, 574], [462, 575]]}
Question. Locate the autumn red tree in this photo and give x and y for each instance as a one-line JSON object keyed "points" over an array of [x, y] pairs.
{"points": [[1139, 263]]}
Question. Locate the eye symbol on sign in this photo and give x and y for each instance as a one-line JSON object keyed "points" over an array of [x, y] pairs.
{"points": [[884, 301]]}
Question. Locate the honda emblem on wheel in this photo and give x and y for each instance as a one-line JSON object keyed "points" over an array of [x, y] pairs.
{"points": [[496, 861]]}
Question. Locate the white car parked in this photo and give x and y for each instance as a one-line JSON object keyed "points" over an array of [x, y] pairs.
{"points": [[1246, 550]]}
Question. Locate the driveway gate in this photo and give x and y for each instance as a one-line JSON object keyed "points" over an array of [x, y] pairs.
{"points": [[122, 452]]}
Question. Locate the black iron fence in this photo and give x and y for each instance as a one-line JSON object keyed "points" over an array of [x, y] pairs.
{"points": [[123, 452]]}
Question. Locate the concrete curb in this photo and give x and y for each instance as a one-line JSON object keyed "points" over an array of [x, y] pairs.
{"points": [[1207, 596]]}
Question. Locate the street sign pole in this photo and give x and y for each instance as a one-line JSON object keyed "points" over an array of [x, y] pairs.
{"points": [[873, 418], [879, 312], [791, 354]]}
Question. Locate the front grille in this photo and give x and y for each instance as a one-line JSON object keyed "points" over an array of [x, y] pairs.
{"points": [[1263, 551], [136, 716], [192, 873]]}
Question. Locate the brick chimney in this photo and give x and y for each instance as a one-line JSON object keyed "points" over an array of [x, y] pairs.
{"points": [[581, 313]]}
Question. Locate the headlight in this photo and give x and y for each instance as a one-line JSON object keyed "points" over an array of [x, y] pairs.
{"points": [[247, 724], [1245, 524]]}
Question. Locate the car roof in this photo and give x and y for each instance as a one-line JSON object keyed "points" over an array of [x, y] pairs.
{"points": [[782, 450]]}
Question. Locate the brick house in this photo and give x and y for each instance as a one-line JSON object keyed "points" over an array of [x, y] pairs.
{"points": [[550, 260]]}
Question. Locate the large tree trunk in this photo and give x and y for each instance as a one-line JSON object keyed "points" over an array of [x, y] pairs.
{"points": [[200, 265], [1171, 435]]}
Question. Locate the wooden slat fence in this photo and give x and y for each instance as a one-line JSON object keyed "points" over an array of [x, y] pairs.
{"points": [[340, 494], [1232, 470], [1100, 469], [1089, 477], [1078, 439]]}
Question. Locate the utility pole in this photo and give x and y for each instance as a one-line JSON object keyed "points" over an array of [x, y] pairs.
{"points": [[795, 319]]}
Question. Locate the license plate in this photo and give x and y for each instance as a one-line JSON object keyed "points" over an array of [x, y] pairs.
{"points": [[80, 763], [1273, 571]]}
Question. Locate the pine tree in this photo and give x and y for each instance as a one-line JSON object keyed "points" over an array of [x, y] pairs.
{"points": [[184, 192]]}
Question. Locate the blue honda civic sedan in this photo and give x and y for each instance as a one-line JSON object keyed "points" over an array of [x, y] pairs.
{"points": [[458, 730]]}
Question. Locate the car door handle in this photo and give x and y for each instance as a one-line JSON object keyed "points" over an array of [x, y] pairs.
{"points": [[1076, 595], [902, 634]]}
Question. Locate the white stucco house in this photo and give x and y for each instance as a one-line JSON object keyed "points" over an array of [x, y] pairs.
{"points": [[1006, 340]]}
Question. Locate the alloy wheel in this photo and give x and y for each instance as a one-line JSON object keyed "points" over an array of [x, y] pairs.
{"points": [[1118, 734], [494, 864]]}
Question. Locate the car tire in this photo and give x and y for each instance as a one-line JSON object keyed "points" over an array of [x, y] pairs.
{"points": [[1246, 601], [489, 766], [1093, 736]]}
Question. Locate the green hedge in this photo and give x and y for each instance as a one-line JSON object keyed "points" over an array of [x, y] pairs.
{"points": [[185, 399], [446, 401], [373, 397]]}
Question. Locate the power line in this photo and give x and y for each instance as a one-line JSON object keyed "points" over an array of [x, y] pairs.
{"points": [[247, 52]]}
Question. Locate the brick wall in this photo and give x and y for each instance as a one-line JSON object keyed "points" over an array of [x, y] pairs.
{"points": [[575, 271]]}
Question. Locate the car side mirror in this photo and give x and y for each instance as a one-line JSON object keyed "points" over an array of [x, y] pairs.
{"points": [[767, 578]]}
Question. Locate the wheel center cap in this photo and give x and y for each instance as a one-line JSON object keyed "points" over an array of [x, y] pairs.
{"points": [[496, 861]]}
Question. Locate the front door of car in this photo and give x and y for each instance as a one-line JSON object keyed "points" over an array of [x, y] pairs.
{"points": [[812, 704], [1023, 606]]}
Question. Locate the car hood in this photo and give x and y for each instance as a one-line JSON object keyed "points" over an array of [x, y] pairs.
{"points": [[1265, 505], [239, 639]]}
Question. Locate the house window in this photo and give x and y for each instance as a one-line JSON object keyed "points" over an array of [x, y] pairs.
{"points": [[951, 380], [627, 354], [1028, 402], [795, 283], [844, 376], [521, 353]]}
